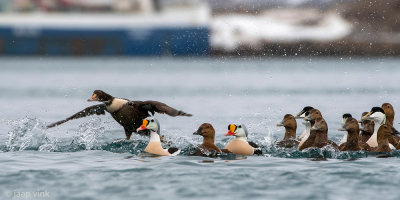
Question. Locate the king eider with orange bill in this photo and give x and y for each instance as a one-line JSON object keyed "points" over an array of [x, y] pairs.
{"points": [[129, 114], [239, 144], [152, 126]]}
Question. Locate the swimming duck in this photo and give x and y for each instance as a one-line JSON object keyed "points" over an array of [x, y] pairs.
{"points": [[304, 112], [378, 115], [320, 127], [389, 112], [152, 126], [301, 115], [207, 148], [367, 128], [352, 142], [239, 144], [385, 131], [129, 114], [289, 140], [318, 132], [344, 118]]}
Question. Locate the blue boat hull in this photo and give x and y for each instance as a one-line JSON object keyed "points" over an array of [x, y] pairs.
{"points": [[182, 41]]}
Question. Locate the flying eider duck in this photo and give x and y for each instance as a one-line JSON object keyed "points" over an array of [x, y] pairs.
{"points": [[129, 114], [152, 126], [239, 144], [289, 140], [207, 148]]}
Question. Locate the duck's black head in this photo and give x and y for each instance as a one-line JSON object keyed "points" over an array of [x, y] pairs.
{"points": [[347, 115], [307, 108], [377, 109], [306, 111], [99, 95]]}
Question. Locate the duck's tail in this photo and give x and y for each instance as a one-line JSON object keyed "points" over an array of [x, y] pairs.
{"points": [[174, 151]]}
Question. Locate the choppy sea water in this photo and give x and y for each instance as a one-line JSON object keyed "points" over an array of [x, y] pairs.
{"points": [[84, 159]]}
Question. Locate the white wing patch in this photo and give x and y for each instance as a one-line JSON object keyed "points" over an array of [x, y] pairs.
{"points": [[116, 104]]}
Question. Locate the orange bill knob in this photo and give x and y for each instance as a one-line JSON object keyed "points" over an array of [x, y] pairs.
{"points": [[93, 98], [231, 130], [144, 125]]}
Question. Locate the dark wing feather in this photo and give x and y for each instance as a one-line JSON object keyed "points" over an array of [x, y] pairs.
{"points": [[257, 149], [172, 150], [155, 106], [92, 110], [252, 144]]}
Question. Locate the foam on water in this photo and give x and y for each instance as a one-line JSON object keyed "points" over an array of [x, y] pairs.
{"points": [[30, 134], [26, 134]]}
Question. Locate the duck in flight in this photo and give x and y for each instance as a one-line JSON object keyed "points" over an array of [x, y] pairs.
{"points": [[129, 114]]}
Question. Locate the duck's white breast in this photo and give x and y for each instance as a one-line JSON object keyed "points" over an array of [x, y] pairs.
{"points": [[116, 104]]}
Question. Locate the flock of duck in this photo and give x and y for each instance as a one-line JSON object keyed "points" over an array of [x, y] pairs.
{"points": [[376, 133]]}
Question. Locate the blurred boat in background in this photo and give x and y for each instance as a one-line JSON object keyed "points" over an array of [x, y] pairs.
{"points": [[232, 32], [174, 30], [200, 27]]}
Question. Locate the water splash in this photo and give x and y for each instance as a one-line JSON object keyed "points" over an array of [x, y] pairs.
{"points": [[89, 135], [30, 134], [26, 134]]}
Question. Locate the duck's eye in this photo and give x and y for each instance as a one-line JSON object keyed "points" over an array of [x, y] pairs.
{"points": [[152, 120], [239, 126]]}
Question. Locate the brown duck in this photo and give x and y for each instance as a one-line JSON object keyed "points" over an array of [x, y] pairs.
{"points": [[129, 114], [319, 132], [344, 119], [389, 112], [207, 148], [352, 142], [367, 128], [289, 140], [384, 133]]}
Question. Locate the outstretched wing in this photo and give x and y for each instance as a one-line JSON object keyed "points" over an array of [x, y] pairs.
{"points": [[155, 106], [92, 110]]}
